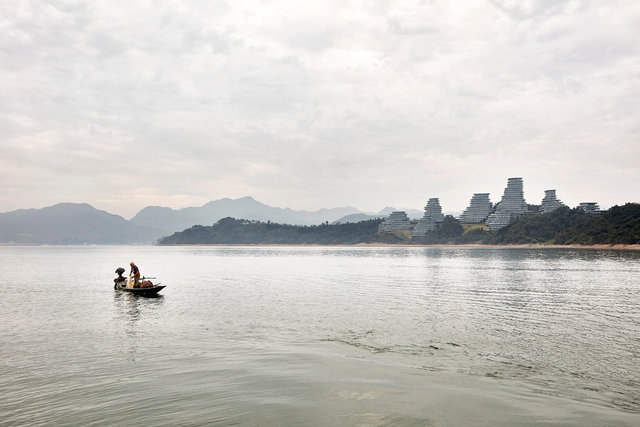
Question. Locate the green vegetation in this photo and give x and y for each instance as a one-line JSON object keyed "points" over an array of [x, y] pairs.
{"points": [[241, 231], [564, 226], [473, 228], [449, 231], [619, 225]]}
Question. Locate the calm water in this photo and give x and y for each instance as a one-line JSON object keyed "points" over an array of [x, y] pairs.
{"points": [[320, 336]]}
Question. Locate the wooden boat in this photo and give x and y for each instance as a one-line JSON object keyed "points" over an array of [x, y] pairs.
{"points": [[146, 288], [150, 291]]}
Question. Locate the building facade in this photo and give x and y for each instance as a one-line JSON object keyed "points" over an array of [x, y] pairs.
{"points": [[510, 207], [478, 210], [590, 207], [396, 221], [432, 216], [550, 202]]}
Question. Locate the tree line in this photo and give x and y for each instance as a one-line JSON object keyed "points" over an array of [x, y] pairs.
{"points": [[242, 231], [619, 225]]}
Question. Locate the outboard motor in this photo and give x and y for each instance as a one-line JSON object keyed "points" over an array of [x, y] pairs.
{"points": [[120, 280]]}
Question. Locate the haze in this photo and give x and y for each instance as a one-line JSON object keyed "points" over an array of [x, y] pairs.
{"points": [[309, 105]]}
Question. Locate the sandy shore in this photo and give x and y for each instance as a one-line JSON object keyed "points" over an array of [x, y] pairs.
{"points": [[523, 246], [401, 245], [616, 247]]}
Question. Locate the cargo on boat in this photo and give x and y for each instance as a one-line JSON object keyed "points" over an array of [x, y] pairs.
{"points": [[145, 288]]}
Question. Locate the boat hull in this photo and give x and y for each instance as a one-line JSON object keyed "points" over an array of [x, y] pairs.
{"points": [[142, 291]]}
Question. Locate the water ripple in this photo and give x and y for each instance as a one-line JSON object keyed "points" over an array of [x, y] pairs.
{"points": [[247, 336]]}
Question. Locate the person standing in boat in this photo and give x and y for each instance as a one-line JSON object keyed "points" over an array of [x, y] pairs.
{"points": [[134, 274]]}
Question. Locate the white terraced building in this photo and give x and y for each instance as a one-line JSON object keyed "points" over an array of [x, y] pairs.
{"points": [[590, 207], [550, 202], [478, 210], [433, 210], [510, 207], [398, 220], [432, 216]]}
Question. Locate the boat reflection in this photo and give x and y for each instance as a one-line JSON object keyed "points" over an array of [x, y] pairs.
{"points": [[135, 313]]}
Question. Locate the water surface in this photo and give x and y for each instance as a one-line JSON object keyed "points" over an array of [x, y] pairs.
{"points": [[321, 336]]}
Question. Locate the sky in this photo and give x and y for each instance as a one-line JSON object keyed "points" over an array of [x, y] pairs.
{"points": [[313, 105]]}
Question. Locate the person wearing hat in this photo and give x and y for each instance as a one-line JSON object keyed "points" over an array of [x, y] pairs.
{"points": [[135, 274]]}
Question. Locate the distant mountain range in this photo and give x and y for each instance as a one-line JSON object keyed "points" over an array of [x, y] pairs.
{"points": [[80, 223], [358, 217], [71, 223], [170, 220]]}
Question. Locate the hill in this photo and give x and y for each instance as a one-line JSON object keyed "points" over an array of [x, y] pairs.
{"points": [[357, 217], [241, 231], [564, 226], [70, 223], [170, 220], [620, 225], [411, 213]]}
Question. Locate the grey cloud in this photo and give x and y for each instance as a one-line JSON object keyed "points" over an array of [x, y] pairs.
{"points": [[368, 104], [533, 9]]}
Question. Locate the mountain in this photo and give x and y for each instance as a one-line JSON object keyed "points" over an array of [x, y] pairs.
{"points": [[387, 211], [565, 226], [170, 220], [357, 217], [242, 231], [414, 213], [411, 213], [71, 223]]}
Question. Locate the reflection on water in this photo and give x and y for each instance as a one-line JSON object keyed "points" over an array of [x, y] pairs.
{"points": [[321, 336], [127, 310], [128, 313]]}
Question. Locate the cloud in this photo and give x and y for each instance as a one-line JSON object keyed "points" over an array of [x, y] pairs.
{"points": [[369, 104]]}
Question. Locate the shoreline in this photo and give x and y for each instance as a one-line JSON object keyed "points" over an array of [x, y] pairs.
{"points": [[596, 247], [599, 247]]}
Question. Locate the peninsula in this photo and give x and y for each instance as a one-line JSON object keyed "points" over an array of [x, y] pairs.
{"points": [[620, 225]]}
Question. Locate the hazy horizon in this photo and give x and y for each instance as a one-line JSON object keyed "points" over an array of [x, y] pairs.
{"points": [[308, 106], [368, 212], [198, 206]]}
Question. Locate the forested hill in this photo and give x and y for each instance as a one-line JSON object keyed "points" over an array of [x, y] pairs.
{"points": [[619, 225], [564, 226], [241, 231]]}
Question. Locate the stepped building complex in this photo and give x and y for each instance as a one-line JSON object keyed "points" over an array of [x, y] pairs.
{"points": [[510, 207], [398, 220], [432, 216], [550, 203], [590, 207], [478, 210], [481, 210]]}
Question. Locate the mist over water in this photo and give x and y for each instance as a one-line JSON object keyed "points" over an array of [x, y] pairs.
{"points": [[321, 336]]}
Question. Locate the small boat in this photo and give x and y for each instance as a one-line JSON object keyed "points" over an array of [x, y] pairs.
{"points": [[146, 287]]}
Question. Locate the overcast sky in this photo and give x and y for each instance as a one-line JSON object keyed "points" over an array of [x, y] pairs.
{"points": [[308, 105]]}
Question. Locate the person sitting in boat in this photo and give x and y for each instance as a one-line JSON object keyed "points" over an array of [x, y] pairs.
{"points": [[134, 274]]}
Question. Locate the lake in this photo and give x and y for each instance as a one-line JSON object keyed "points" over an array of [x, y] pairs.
{"points": [[320, 336]]}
